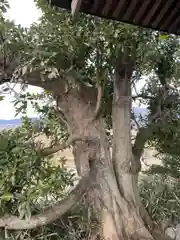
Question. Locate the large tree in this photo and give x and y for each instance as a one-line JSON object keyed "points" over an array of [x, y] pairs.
{"points": [[89, 67]]}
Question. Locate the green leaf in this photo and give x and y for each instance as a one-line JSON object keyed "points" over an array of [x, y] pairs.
{"points": [[3, 142], [2, 182], [7, 196], [164, 36], [16, 150], [1, 98]]}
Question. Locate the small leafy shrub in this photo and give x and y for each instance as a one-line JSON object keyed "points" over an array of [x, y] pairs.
{"points": [[25, 176], [160, 195], [29, 182]]}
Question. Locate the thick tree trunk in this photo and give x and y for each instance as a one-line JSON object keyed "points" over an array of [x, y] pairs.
{"points": [[119, 218], [114, 194]]}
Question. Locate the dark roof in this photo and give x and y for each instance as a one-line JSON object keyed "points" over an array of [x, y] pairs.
{"points": [[162, 15]]}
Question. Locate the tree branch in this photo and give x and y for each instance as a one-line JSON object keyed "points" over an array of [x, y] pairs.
{"points": [[51, 214], [140, 141], [145, 132], [51, 150], [34, 79], [99, 102], [143, 135], [142, 96], [13, 73]]}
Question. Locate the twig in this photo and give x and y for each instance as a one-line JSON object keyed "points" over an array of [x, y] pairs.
{"points": [[134, 119], [134, 86], [4, 50], [142, 96]]}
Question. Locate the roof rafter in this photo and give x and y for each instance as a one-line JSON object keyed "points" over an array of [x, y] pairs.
{"points": [[159, 15], [75, 7]]}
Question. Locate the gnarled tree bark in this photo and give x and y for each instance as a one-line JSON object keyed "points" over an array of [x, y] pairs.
{"points": [[114, 193]]}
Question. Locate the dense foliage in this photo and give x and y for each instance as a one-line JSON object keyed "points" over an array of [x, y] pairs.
{"points": [[161, 196], [29, 182]]}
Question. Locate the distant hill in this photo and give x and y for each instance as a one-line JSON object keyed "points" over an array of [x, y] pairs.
{"points": [[11, 123], [15, 122]]}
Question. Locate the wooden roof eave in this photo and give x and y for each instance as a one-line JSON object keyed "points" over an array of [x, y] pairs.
{"points": [[159, 15]]}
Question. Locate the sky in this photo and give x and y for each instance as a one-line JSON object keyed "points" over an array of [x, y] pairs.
{"points": [[23, 12]]}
